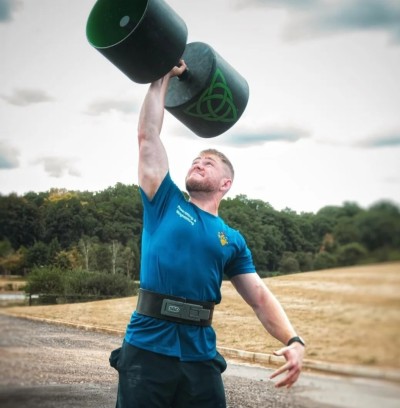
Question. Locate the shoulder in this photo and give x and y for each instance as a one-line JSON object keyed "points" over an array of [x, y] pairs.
{"points": [[166, 186], [233, 232]]}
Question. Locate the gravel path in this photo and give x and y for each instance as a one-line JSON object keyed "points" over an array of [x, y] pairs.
{"points": [[45, 365]]}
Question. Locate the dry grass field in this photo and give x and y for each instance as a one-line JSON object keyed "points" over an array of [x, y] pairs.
{"points": [[348, 315]]}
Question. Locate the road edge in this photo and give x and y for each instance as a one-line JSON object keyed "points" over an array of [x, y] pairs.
{"points": [[262, 359]]}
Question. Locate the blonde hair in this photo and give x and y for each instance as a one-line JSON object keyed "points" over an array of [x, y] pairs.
{"points": [[222, 157]]}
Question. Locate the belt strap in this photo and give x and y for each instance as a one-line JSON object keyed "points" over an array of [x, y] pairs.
{"points": [[174, 308]]}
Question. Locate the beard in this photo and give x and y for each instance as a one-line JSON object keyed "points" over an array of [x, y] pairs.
{"points": [[199, 186]]}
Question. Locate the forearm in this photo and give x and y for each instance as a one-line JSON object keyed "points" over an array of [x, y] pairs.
{"points": [[265, 305], [273, 317], [152, 112], [153, 160]]}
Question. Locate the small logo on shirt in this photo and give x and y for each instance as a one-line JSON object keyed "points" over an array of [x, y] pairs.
{"points": [[185, 215], [222, 238]]}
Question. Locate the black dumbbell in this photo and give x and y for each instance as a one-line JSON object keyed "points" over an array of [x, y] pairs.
{"points": [[145, 39]]}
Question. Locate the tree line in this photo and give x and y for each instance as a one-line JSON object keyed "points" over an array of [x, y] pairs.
{"points": [[100, 232]]}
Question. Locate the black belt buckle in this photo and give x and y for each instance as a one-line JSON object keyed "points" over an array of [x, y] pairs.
{"points": [[182, 310]]}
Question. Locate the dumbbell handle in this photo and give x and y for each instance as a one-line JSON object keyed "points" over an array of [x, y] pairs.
{"points": [[185, 75]]}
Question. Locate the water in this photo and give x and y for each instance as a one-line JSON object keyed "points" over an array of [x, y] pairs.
{"points": [[12, 296], [14, 299]]}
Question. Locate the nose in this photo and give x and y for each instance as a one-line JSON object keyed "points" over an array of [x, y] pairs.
{"points": [[198, 165]]}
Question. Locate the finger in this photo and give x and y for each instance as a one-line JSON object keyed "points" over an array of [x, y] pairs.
{"points": [[288, 381], [182, 64], [282, 351], [181, 69], [280, 370]]}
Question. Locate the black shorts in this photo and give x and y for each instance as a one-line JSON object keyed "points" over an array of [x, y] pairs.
{"points": [[151, 380]]}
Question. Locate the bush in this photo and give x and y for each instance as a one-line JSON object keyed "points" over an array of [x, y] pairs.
{"points": [[269, 274], [350, 254], [100, 284], [305, 260], [324, 260], [78, 284], [48, 280], [289, 263]]}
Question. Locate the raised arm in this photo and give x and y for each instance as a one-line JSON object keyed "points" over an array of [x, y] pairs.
{"points": [[153, 160], [274, 319]]}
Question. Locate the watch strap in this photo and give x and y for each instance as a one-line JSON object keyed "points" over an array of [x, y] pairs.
{"points": [[295, 339]]}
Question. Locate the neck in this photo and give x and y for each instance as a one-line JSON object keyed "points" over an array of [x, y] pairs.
{"points": [[206, 203]]}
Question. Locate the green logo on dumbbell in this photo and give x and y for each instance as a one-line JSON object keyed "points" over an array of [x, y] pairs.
{"points": [[215, 103]]}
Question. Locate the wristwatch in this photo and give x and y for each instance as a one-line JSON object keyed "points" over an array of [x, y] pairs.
{"points": [[297, 339]]}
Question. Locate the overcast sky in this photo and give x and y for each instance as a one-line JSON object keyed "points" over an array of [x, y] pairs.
{"points": [[322, 124]]}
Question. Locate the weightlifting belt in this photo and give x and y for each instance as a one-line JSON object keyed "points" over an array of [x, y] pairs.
{"points": [[175, 309]]}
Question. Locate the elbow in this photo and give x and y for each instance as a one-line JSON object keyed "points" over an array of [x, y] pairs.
{"points": [[259, 298], [147, 133], [142, 136]]}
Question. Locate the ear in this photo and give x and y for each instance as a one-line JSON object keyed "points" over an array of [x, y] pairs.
{"points": [[226, 184]]}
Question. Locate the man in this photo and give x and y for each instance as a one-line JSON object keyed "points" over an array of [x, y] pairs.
{"points": [[168, 358]]}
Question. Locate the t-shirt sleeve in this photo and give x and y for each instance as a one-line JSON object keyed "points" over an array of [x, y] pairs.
{"points": [[153, 210], [242, 262]]}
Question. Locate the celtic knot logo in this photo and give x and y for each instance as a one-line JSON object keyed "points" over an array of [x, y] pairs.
{"points": [[215, 103]]}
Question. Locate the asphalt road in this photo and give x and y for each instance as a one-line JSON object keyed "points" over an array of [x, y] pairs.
{"points": [[47, 366]]}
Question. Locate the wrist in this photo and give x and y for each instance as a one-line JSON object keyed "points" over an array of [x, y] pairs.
{"points": [[296, 339]]}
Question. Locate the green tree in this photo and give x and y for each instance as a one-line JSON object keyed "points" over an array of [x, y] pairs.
{"points": [[37, 255], [311, 239], [294, 240], [380, 226], [247, 216], [346, 231], [129, 260], [101, 260], [305, 261], [53, 250], [18, 221], [62, 219], [325, 220], [274, 246], [118, 209], [324, 260], [45, 280], [11, 262], [289, 263], [350, 254]]}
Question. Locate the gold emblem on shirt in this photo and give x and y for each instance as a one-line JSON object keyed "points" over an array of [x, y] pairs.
{"points": [[222, 238]]}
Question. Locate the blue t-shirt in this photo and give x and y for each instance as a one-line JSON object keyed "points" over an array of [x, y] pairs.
{"points": [[185, 252]]}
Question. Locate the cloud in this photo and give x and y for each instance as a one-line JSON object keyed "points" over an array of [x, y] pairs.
{"points": [[251, 138], [310, 18], [390, 139], [58, 166], [7, 8], [103, 106], [26, 97], [8, 156], [391, 179], [359, 15], [298, 4]]}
